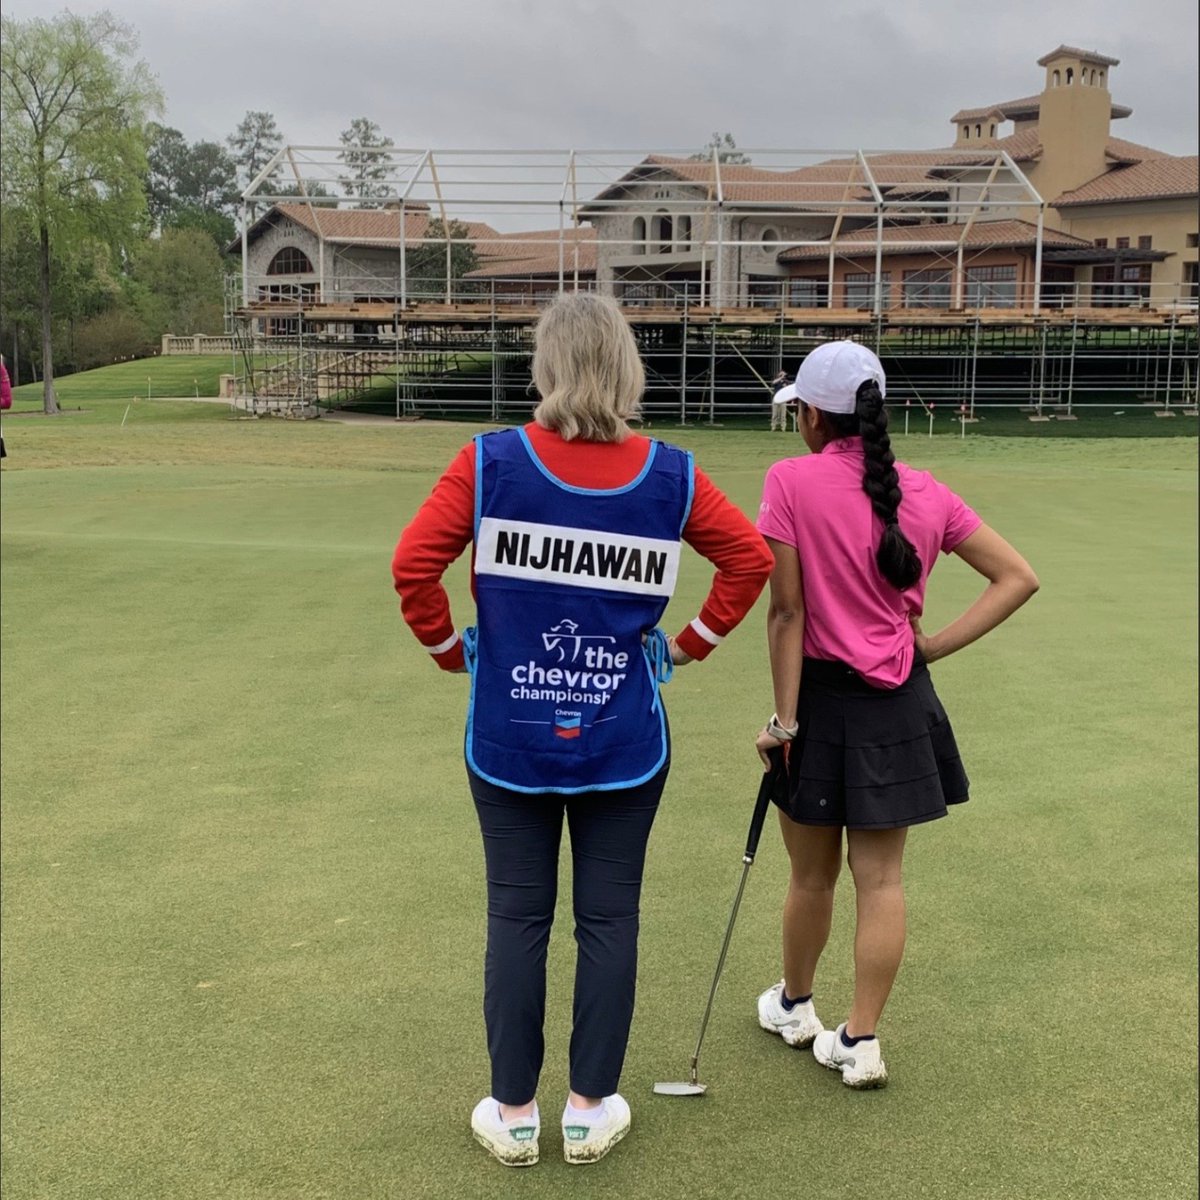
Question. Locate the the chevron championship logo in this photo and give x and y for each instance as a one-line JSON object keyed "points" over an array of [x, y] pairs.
{"points": [[581, 670]]}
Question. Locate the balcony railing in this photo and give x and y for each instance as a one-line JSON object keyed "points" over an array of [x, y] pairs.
{"points": [[516, 291]]}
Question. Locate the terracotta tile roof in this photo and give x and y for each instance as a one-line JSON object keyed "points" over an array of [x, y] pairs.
{"points": [[1025, 108], [377, 227], [1026, 146], [1075, 52], [825, 184], [532, 243], [1162, 178], [579, 254], [981, 114], [745, 183], [1119, 150], [821, 184], [904, 239]]}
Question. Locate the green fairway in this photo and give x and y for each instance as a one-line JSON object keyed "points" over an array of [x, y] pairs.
{"points": [[142, 379], [243, 892]]}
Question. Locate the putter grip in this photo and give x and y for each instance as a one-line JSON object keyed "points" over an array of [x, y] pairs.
{"points": [[769, 780]]}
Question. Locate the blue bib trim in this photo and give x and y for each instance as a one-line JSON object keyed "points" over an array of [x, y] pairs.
{"points": [[566, 660], [579, 491]]}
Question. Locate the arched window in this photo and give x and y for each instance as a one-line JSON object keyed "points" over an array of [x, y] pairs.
{"points": [[290, 261], [661, 232], [1055, 78], [966, 131], [1093, 77], [978, 131], [1070, 76], [1101, 78], [684, 236], [639, 235], [991, 131]]}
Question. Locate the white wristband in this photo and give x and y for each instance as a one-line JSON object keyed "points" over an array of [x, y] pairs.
{"points": [[781, 733]]}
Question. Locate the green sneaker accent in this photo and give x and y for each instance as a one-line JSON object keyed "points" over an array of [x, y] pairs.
{"points": [[523, 1133], [575, 1133]]}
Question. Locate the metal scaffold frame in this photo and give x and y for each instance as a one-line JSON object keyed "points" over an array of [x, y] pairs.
{"points": [[690, 246]]}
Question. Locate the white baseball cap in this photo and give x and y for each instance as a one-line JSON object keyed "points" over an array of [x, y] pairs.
{"points": [[829, 378]]}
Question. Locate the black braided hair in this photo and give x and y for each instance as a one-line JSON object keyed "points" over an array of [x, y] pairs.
{"points": [[896, 557]]}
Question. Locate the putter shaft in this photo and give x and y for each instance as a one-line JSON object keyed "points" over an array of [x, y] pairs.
{"points": [[761, 805], [748, 862]]}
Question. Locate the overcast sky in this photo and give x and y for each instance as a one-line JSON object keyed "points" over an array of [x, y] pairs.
{"points": [[650, 74]]}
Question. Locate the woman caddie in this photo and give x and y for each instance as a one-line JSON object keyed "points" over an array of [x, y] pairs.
{"points": [[870, 750], [576, 526]]}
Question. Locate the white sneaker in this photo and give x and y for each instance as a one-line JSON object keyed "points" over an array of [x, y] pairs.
{"points": [[798, 1026], [588, 1141], [861, 1065], [514, 1143]]}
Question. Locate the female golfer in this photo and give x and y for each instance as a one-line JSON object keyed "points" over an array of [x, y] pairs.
{"points": [[576, 525], [869, 748]]}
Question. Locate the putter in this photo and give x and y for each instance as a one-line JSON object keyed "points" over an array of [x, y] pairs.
{"points": [[693, 1087]]}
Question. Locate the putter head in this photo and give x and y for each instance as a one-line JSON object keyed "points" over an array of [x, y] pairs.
{"points": [[680, 1089]]}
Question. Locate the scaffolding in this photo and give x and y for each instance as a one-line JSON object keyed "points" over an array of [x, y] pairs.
{"points": [[728, 273]]}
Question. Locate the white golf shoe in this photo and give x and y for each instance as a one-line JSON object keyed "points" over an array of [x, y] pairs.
{"points": [[861, 1065], [798, 1026], [589, 1141], [514, 1143]]}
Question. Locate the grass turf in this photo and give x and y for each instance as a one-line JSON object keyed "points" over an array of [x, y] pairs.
{"points": [[141, 380], [243, 891]]}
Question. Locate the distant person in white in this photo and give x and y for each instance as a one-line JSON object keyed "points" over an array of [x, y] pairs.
{"points": [[782, 402]]}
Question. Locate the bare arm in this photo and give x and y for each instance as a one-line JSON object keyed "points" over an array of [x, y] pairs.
{"points": [[785, 638], [1011, 582]]}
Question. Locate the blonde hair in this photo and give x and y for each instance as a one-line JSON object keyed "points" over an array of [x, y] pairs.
{"points": [[586, 369]]}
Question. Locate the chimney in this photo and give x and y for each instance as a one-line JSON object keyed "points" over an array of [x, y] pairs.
{"points": [[977, 125], [1073, 119]]}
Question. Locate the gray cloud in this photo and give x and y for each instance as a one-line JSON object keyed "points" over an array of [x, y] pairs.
{"points": [[647, 73]]}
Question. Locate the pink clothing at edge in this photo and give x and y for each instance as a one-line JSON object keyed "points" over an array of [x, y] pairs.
{"points": [[851, 613]]}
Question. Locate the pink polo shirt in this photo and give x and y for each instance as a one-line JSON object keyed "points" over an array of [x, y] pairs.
{"points": [[816, 504]]}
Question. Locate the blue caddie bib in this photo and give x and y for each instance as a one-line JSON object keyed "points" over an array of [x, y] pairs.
{"points": [[570, 583]]}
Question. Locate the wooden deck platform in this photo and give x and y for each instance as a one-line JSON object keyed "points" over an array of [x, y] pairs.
{"points": [[385, 312]]}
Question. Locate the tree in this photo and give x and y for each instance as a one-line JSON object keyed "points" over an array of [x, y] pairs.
{"points": [[166, 159], [115, 335], [366, 160], [180, 278], [726, 148], [308, 189], [188, 184], [74, 107], [253, 144], [22, 303], [208, 179], [426, 263], [219, 226], [86, 282]]}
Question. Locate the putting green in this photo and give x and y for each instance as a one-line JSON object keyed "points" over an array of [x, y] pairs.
{"points": [[243, 890]]}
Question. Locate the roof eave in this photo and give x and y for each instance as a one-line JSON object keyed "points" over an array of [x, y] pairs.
{"points": [[1094, 254], [1093, 56], [1062, 202], [235, 246]]}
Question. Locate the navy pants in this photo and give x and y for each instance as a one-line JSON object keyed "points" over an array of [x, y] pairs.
{"points": [[521, 835]]}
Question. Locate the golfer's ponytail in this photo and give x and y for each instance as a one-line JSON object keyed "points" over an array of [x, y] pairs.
{"points": [[897, 557]]}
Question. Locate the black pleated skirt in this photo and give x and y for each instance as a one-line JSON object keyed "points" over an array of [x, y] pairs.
{"points": [[868, 757]]}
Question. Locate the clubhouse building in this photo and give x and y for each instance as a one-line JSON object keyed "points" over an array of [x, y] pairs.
{"points": [[1037, 187]]}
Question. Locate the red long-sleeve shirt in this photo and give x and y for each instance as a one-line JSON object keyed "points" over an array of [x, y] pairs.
{"points": [[444, 525]]}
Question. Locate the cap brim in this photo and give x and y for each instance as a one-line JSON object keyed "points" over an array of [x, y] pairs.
{"points": [[785, 395]]}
